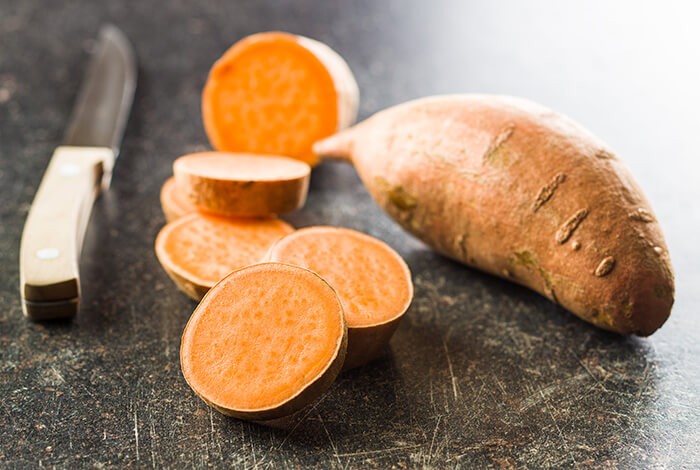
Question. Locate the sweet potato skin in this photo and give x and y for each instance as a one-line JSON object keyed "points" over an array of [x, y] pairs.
{"points": [[193, 290], [245, 198], [368, 342], [515, 189]]}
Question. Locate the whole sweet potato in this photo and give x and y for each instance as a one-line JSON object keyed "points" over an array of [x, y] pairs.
{"points": [[519, 191]]}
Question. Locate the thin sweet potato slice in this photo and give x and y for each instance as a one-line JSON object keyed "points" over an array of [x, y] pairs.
{"points": [[173, 202], [242, 185], [200, 249], [372, 280], [266, 341], [277, 93]]}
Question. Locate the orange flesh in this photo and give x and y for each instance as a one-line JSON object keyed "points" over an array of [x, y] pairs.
{"points": [[260, 336], [241, 167], [173, 201], [269, 94], [204, 248], [372, 281]]}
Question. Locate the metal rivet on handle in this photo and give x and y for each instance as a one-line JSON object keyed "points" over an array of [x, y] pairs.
{"points": [[47, 253]]}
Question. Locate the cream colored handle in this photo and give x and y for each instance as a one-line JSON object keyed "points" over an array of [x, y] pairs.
{"points": [[54, 230]]}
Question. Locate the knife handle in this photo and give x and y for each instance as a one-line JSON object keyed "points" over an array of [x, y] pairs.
{"points": [[54, 230]]}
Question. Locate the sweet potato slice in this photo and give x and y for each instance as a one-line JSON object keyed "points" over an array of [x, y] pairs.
{"points": [[173, 202], [199, 249], [244, 185], [276, 93], [372, 280], [264, 342]]}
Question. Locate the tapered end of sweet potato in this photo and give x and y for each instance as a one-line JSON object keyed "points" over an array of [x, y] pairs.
{"points": [[336, 147], [648, 304]]}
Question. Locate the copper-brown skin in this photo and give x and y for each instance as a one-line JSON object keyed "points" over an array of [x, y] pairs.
{"points": [[230, 196], [513, 188], [368, 342], [193, 290]]}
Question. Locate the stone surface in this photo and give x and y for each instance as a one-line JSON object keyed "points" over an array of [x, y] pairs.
{"points": [[480, 373]]}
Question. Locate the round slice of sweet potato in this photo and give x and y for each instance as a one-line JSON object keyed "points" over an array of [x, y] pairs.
{"points": [[278, 93], [198, 250], [265, 341], [372, 280]]}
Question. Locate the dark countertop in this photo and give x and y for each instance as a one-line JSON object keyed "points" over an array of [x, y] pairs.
{"points": [[480, 372]]}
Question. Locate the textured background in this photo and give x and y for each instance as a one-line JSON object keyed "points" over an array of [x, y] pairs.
{"points": [[480, 372]]}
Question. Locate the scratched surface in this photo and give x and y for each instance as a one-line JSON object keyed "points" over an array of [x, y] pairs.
{"points": [[480, 373]]}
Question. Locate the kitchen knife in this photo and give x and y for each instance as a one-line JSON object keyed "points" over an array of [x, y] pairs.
{"points": [[79, 169]]}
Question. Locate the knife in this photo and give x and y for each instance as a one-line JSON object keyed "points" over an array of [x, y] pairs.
{"points": [[79, 169]]}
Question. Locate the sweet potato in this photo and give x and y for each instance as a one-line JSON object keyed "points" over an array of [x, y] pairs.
{"points": [[264, 342], [519, 191], [173, 203], [372, 280], [198, 250], [276, 93], [242, 185]]}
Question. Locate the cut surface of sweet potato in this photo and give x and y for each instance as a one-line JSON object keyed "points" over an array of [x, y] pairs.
{"points": [[277, 93], [199, 249], [372, 280], [242, 185], [264, 342]]}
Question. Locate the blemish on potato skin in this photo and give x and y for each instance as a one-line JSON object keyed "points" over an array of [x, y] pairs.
{"points": [[566, 230], [547, 191], [604, 155], [605, 267], [548, 288], [525, 258], [641, 215], [627, 310], [650, 243], [492, 155], [528, 259], [401, 198], [575, 246], [600, 317], [461, 245], [397, 195]]}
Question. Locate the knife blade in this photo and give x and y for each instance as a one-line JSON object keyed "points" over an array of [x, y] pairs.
{"points": [[79, 169]]}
